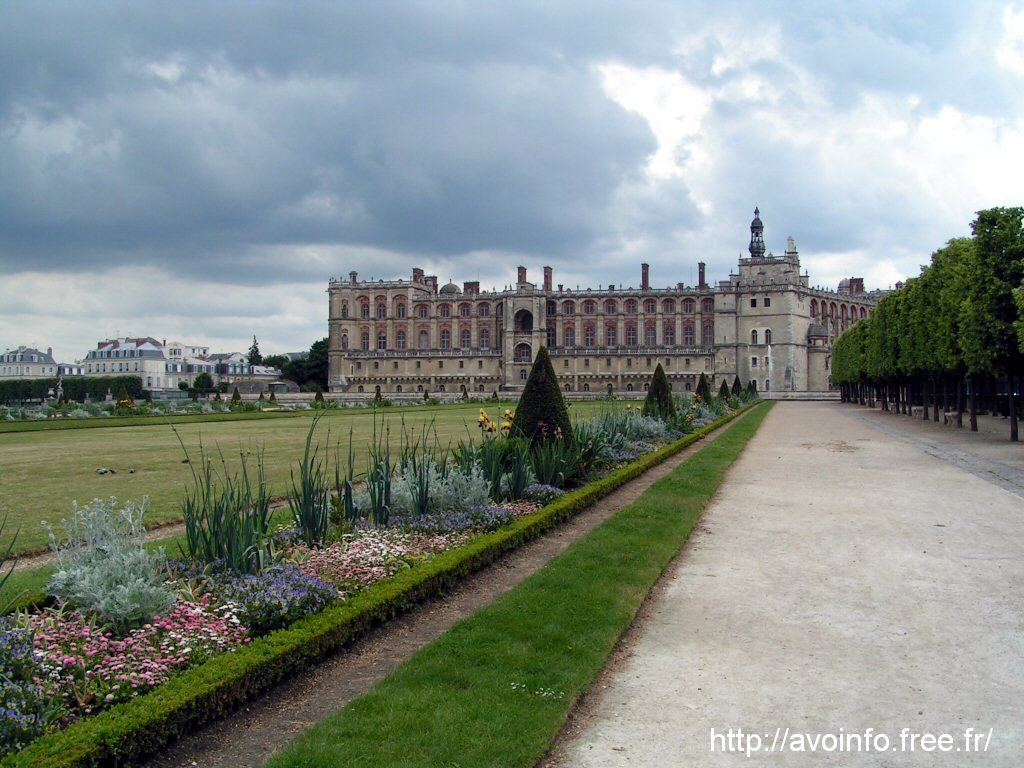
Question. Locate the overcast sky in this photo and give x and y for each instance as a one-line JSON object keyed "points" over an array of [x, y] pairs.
{"points": [[200, 171]]}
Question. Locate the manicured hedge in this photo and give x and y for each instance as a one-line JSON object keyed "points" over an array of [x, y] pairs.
{"points": [[75, 388], [127, 732]]}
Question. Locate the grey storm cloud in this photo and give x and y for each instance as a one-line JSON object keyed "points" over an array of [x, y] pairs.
{"points": [[252, 145], [149, 132]]}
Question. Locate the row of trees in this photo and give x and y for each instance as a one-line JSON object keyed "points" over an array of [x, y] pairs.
{"points": [[951, 338]]}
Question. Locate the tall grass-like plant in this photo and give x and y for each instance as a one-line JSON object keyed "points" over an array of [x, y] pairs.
{"points": [[103, 567], [343, 502], [309, 497], [227, 516], [520, 469], [378, 476], [555, 463]]}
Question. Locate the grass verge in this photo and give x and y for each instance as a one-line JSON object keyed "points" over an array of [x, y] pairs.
{"points": [[496, 688], [128, 732]]}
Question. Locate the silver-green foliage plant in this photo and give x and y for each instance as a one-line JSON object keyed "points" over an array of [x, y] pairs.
{"points": [[424, 488], [103, 568]]}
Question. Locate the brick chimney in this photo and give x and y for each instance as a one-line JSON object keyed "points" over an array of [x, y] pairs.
{"points": [[701, 282], [353, 276], [645, 277], [522, 275], [547, 278], [417, 275], [471, 287]]}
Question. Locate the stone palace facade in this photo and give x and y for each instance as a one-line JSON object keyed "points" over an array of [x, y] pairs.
{"points": [[764, 322]]}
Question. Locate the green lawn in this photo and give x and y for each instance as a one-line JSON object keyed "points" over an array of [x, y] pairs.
{"points": [[495, 690], [42, 472]]}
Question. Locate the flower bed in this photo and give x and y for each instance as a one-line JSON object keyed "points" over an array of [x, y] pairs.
{"points": [[87, 670]]}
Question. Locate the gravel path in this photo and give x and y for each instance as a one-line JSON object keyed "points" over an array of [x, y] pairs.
{"points": [[847, 576]]}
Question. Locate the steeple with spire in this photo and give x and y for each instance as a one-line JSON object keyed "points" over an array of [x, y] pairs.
{"points": [[756, 236]]}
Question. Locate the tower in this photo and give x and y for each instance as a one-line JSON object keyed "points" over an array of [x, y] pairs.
{"points": [[756, 236]]}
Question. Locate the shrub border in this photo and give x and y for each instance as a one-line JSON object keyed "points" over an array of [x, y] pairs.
{"points": [[138, 728]]}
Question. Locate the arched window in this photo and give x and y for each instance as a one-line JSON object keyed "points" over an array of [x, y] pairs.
{"points": [[650, 336], [464, 310], [610, 307], [364, 341], [522, 353], [440, 387], [814, 308], [344, 309], [484, 310], [767, 335], [569, 337], [550, 308], [586, 386], [631, 336], [753, 337], [609, 336], [707, 336], [650, 306], [522, 375], [479, 387], [842, 312], [344, 341], [445, 310], [707, 306], [382, 340], [863, 313], [589, 307], [568, 308], [668, 306], [400, 310], [669, 335], [630, 306], [629, 387], [568, 387], [485, 338], [382, 311], [465, 339], [551, 337], [400, 339], [419, 387], [398, 388], [446, 339], [424, 340], [422, 310], [359, 388], [767, 385], [364, 310], [588, 336], [688, 337]]}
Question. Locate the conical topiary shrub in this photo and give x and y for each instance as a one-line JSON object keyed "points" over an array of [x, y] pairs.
{"points": [[737, 388], [703, 388], [659, 397], [273, 397], [542, 414], [723, 391], [236, 398]]}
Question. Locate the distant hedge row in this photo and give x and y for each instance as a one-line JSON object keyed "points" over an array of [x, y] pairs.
{"points": [[75, 388]]}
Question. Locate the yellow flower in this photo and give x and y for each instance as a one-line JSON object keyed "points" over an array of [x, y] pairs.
{"points": [[509, 414], [506, 425]]}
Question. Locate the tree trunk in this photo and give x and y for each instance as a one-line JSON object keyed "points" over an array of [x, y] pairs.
{"points": [[960, 402], [1011, 380], [935, 399], [945, 395], [974, 403]]}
